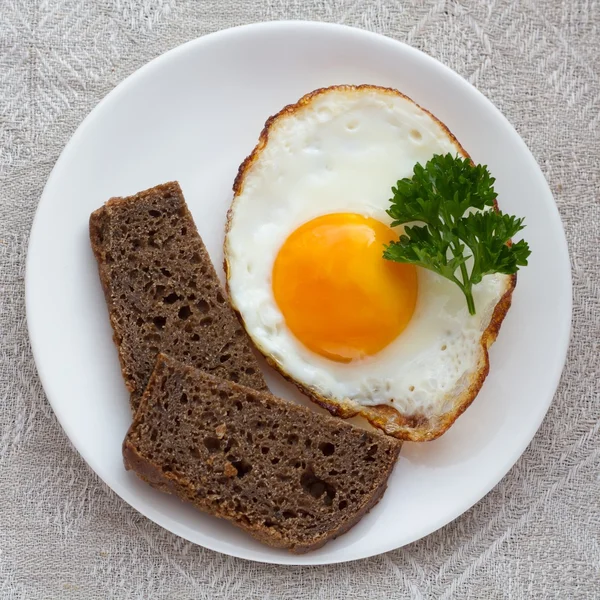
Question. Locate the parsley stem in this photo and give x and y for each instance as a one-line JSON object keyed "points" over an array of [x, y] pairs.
{"points": [[470, 301], [467, 287]]}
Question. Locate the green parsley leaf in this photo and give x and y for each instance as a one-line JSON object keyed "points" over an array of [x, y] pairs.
{"points": [[450, 203]]}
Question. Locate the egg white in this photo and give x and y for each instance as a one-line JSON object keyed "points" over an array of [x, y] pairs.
{"points": [[342, 151]]}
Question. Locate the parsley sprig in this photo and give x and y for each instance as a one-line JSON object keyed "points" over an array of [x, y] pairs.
{"points": [[441, 196]]}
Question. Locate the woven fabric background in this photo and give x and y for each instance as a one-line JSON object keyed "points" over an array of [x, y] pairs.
{"points": [[64, 534]]}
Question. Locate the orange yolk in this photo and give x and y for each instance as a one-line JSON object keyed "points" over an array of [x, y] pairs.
{"points": [[337, 293]]}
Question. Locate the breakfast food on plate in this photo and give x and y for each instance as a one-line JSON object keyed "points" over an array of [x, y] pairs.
{"points": [[372, 306], [289, 476], [402, 343], [162, 292]]}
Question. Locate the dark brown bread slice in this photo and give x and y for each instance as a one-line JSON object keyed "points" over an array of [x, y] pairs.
{"points": [[289, 476], [163, 293]]}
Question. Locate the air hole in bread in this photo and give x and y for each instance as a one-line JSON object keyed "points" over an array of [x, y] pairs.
{"points": [[370, 457], [327, 448], [316, 486], [203, 306], [292, 439], [171, 298], [220, 298], [206, 321], [243, 468], [184, 312], [224, 357], [154, 213], [184, 398], [159, 322], [265, 449]]}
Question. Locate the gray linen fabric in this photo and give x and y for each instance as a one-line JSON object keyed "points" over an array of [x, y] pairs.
{"points": [[64, 534]]}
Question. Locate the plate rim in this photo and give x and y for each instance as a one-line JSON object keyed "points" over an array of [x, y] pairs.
{"points": [[171, 54]]}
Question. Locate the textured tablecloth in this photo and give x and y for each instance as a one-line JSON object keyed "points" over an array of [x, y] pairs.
{"points": [[64, 534]]}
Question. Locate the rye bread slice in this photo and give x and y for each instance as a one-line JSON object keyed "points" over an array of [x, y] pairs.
{"points": [[289, 476], [163, 293]]}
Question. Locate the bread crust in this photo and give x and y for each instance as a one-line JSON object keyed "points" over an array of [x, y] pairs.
{"points": [[96, 224], [173, 483], [417, 427]]}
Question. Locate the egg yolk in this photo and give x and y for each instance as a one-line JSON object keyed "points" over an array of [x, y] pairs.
{"points": [[338, 295]]}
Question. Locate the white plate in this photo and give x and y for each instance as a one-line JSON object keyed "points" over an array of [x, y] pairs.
{"points": [[193, 115]]}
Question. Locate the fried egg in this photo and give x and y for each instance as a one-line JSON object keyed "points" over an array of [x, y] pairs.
{"points": [[303, 256]]}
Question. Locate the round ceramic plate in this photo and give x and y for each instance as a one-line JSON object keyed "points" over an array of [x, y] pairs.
{"points": [[192, 115]]}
